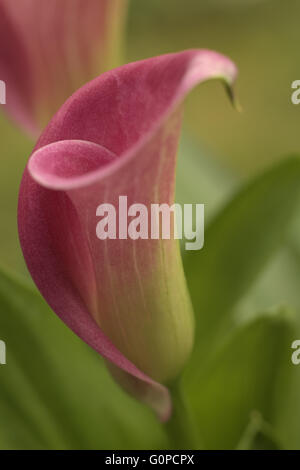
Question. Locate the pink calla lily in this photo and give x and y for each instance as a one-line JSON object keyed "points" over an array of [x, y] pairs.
{"points": [[126, 298], [48, 49]]}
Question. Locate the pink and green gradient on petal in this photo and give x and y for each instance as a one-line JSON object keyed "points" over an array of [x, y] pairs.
{"points": [[48, 49], [127, 299]]}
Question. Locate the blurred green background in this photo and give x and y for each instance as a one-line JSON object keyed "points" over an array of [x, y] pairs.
{"points": [[247, 396]]}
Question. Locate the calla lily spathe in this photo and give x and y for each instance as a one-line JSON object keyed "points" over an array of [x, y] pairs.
{"points": [[115, 136], [49, 48]]}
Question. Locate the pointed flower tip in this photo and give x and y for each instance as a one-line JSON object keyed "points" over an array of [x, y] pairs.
{"points": [[233, 97], [125, 297]]}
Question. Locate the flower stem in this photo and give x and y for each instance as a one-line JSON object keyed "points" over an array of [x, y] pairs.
{"points": [[181, 428]]}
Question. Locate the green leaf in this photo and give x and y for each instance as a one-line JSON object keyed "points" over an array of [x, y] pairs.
{"points": [[258, 435], [278, 285], [200, 178], [286, 402], [244, 376], [55, 392], [239, 243]]}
